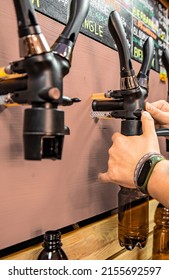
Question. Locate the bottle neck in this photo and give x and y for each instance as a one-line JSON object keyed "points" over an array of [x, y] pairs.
{"points": [[162, 216], [52, 241], [52, 246]]}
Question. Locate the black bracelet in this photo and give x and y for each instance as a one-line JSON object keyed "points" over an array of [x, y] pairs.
{"points": [[144, 169]]}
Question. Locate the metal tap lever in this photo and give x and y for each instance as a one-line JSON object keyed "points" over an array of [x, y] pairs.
{"points": [[117, 31]]}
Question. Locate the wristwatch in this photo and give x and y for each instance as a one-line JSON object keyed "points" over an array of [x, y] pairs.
{"points": [[144, 170]]}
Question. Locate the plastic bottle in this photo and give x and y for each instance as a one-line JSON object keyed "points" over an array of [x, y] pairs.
{"points": [[161, 233], [133, 218], [52, 247]]}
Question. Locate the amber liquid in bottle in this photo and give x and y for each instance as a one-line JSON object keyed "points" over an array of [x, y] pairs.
{"points": [[161, 234], [52, 247], [133, 216]]}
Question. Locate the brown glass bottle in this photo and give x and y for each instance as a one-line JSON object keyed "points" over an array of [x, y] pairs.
{"points": [[133, 218], [52, 247], [161, 233]]}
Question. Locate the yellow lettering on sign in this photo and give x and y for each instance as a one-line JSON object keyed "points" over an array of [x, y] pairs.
{"points": [[93, 27], [140, 15], [138, 53], [37, 2]]}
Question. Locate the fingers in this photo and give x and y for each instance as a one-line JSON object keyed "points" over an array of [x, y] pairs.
{"points": [[160, 115], [148, 126], [162, 105]]}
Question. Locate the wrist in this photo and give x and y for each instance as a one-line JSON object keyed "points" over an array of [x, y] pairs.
{"points": [[160, 177], [144, 170]]}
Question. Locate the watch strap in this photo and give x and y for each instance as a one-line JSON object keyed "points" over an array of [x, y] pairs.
{"points": [[154, 158]]}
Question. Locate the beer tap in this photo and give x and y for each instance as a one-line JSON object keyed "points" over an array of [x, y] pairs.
{"points": [[127, 104], [40, 79]]}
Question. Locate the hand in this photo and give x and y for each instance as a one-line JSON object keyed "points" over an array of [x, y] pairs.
{"points": [[126, 151], [159, 110]]}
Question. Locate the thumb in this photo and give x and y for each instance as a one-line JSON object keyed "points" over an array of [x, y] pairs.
{"points": [[148, 125]]}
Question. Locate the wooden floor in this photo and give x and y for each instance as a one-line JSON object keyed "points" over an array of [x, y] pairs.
{"points": [[97, 241]]}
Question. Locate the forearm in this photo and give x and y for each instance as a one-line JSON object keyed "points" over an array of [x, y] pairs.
{"points": [[158, 185]]}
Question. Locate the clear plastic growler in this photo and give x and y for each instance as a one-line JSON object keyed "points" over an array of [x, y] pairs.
{"points": [[133, 218], [161, 233], [52, 247]]}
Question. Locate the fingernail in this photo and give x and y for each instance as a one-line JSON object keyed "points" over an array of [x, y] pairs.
{"points": [[146, 113]]}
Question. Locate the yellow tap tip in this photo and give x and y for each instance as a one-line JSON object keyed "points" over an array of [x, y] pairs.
{"points": [[2, 72], [99, 96]]}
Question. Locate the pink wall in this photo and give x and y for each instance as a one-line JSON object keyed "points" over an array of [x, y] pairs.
{"points": [[37, 196]]}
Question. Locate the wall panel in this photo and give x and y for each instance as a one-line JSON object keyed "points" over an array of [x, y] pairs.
{"points": [[37, 196]]}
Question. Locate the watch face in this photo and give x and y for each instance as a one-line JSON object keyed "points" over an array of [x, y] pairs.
{"points": [[144, 172]]}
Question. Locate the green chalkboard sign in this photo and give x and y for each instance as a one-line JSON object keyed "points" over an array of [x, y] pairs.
{"points": [[141, 18]]}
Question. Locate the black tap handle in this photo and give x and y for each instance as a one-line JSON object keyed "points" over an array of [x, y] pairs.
{"points": [[148, 51], [165, 60], [78, 12], [162, 132], [118, 33], [107, 105], [26, 19]]}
